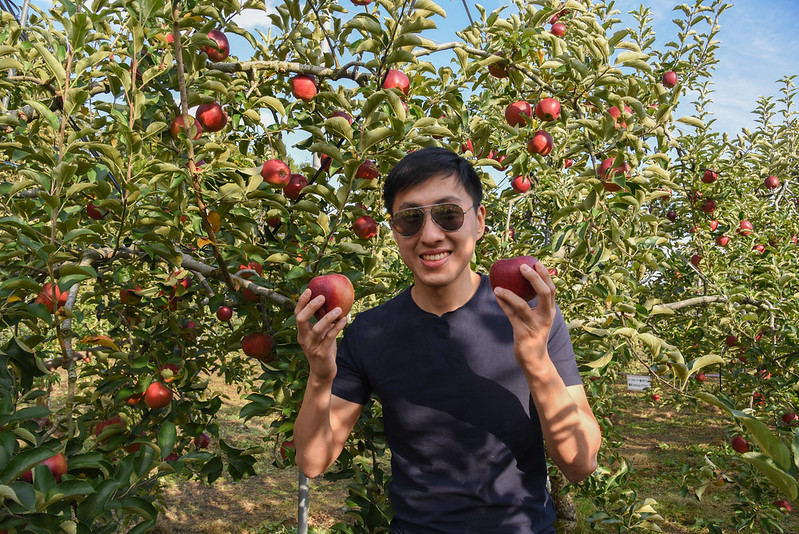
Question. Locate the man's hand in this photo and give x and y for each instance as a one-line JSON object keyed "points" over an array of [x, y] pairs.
{"points": [[531, 326], [318, 341]]}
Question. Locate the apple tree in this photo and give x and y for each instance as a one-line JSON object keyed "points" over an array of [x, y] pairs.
{"points": [[164, 202]]}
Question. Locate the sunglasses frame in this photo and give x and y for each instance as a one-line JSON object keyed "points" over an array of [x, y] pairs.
{"points": [[428, 209]]}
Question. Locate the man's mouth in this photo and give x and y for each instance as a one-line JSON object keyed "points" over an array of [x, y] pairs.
{"points": [[435, 257]]}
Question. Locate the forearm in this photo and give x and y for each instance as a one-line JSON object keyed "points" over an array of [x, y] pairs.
{"points": [[313, 431], [571, 433]]}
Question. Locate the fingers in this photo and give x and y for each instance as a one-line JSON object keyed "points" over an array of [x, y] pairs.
{"points": [[539, 278]]}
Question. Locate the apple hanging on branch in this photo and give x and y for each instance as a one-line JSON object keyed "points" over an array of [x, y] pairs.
{"points": [[521, 184], [258, 345], [222, 49], [365, 227], [541, 143], [396, 79], [276, 173], [303, 86], [518, 113], [211, 117]]}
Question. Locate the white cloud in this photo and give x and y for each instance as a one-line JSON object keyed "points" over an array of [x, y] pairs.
{"points": [[255, 18]]}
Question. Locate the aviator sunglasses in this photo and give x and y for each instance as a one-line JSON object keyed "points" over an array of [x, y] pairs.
{"points": [[448, 217]]}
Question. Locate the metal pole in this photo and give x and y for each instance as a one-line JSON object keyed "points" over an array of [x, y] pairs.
{"points": [[303, 494]]}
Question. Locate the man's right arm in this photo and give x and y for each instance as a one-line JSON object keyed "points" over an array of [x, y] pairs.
{"points": [[325, 421]]}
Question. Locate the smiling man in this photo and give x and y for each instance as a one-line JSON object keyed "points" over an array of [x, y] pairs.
{"points": [[473, 381]]}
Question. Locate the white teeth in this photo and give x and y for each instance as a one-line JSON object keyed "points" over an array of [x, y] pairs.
{"points": [[434, 257]]}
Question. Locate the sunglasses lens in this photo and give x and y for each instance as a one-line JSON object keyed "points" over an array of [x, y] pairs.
{"points": [[448, 216], [408, 222]]}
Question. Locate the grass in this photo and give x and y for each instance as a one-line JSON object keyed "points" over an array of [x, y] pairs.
{"points": [[658, 440]]}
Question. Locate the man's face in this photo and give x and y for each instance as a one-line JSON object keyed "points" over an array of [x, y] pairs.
{"points": [[438, 258]]}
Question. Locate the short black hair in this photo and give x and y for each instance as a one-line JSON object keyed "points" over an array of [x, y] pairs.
{"points": [[420, 165]]}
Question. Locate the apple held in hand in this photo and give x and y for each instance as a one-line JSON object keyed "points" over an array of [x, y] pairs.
{"points": [[211, 117], [365, 227], [397, 79], [506, 273], [157, 396], [518, 113], [303, 86], [258, 345], [222, 49], [337, 290], [276, 173]]}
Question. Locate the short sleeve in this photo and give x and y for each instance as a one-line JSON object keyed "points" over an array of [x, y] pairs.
{"points": [[351, 383], [561, 351]]}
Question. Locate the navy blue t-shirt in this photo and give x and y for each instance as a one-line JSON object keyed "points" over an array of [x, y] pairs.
{"points": [[467, 452]]}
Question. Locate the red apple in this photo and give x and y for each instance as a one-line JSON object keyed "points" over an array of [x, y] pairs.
{"points": [[506, 273], [396, 79], [521, 184], [499, 69], [365, 227], [176, 128], [157, 396], [211, 117], [567, 163], [224, 313], [287, 446], [790, 418], [739, 444], [367, 170], [548, 109], [701, 377], [731, 340], [276, 173], [202, 441], [616, 114], [713, 225], [518, 113], [134, 399], [94, 212], [46, 296], [607, 172], [709, 176], [558, 29], [655, 397], [772, 182], [541, 143], [129, 297], [222, 49], [361, 2], [696, 259], [342, 114], [552, 272], [783, 505], [56, 464], [709, 206], [337, 290], [671, 215], [759, 248], [745, 228], [303, 86], [258, 345], [99, 427], [295, 185], [670, 79]]}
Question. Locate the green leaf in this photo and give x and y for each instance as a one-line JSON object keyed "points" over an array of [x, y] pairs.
{"points": [[374, 136], [166, 437], [784, 481], [692, 121], [53, 64], [703, 361]]}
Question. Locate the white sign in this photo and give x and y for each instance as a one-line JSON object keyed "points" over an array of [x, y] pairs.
{"points": [[638, 382]]}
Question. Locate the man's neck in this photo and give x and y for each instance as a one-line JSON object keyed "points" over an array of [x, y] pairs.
{"points": [[440, 300]]}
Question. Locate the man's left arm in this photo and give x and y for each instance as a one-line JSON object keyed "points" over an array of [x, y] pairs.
{"points": [[570, 430]]}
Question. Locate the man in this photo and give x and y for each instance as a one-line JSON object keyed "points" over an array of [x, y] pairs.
{"points": [[472, 381]]}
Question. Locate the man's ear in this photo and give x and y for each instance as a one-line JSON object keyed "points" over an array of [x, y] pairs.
{"points": [[481, 220]]}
